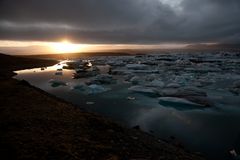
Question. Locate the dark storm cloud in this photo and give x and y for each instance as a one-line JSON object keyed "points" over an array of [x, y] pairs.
{"points": [[121, 21]]}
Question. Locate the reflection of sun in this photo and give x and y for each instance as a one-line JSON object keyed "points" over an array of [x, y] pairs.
{"points": [[65, 47]]}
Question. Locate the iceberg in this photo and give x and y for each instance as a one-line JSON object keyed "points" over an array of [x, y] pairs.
{"points": [[102, 79], [156, 83], [144, 90], [178, 103], [135, 80], [95, 89], [137, 66]]}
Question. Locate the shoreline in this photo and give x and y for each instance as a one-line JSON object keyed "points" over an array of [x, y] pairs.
{"points": [[37, 124]]}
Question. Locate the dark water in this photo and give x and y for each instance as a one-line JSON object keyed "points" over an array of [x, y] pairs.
{"points": [[213, 131]]}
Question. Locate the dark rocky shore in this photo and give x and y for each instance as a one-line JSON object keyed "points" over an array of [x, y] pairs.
{"points": [[35, 125]]}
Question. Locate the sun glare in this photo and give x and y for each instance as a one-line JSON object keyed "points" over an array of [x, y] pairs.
{"points": [[65, 47]]}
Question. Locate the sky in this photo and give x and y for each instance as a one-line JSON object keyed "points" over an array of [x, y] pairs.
{"points": [[119, 22]]}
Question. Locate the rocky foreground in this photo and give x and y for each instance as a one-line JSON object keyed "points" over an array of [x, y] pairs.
{"points": [[36, 125]]}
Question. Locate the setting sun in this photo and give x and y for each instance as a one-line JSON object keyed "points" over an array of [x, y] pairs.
{"points": [[65, 47]]}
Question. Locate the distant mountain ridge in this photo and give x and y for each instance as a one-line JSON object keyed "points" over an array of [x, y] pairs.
{"points": [[214, 46]]}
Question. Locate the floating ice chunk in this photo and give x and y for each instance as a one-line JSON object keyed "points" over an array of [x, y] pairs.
{"points": [[80, 87], [131, 98], [57, 83], [235, 88], [137, 66], [128, 77], [173, 85], [204, 81], [183, 62], [120, 72], [116, 63], [151, 77], [135, 80], [91, 89], [190, 91], [182, 92], [171, 92], [95, 89], [234, 154], [155, 83], [144, 90], [204, 101], [197, 84], [103, 79], [145, 71], [177, 102], [90, 103]]}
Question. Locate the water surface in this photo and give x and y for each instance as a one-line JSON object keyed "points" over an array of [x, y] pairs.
{"points": [[213, 131]]}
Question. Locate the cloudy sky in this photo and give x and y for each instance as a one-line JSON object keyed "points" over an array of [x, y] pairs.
{"points": [[121, 21]]}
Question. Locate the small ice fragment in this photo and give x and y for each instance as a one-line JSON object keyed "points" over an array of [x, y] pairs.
{"points": [[173, 85], [131, 98], [135, 80], [155, 83], [90, 103], [136, 66], [234, 154]]}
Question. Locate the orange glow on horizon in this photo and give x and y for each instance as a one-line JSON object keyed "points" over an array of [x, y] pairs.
{"points": [[65, 46]]}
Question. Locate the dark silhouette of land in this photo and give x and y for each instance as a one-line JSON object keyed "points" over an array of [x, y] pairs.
{"points": [[36, 125], [218, 47]]}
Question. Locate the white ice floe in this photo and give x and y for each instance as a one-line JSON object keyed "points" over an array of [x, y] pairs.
{"points": [[145, 71], [80, 87], [144, 90], [135, 80], [103, 79], [128, 77], [137, 66], [116, 63], [177, 102], [171, 92], [91, 89], [155, 83], [131, 98], [95, 89], [173, 85], [151, 77], [90, 103]]}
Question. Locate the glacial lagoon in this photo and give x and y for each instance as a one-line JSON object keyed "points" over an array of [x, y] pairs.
{"points": [[190, 99]]}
